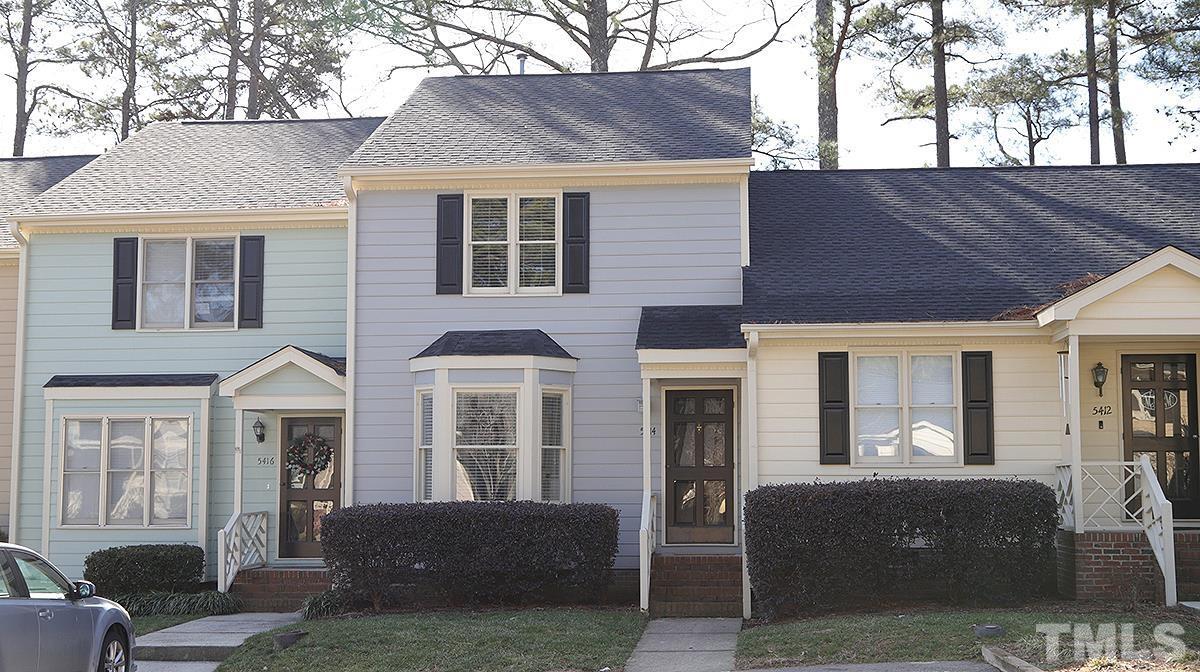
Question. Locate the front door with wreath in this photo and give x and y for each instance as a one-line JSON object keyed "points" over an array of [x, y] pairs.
{"points": [[310, 483]]}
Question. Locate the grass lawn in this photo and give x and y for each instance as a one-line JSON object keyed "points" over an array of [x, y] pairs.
{"points": [[145, 624], [528, 640], [928, 634]]}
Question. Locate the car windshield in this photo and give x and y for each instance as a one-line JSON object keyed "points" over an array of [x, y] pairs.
{"points": [[42, 580]]}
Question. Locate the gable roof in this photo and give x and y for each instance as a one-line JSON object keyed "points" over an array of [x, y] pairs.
{"points": [[23, 178], [690, 327], [1068, 307], [214, 165], [498, 342], [332, 370], [957, 244], [565, 118]]}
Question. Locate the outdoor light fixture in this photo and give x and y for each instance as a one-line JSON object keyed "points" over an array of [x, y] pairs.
{"points": [[1099, 376], [260, 431]]}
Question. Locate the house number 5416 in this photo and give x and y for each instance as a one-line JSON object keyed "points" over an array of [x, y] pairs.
{"points": [[1102, 410], [266, 461]]}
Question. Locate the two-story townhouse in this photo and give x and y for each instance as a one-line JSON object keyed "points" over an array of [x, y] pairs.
{"points": [[185, 308], [21, 180]]}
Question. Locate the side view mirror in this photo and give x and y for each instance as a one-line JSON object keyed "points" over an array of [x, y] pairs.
{"points": [[83, 590]]}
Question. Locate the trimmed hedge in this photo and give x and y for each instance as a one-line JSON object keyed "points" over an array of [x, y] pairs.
{"points": [[979, 540], [472, 552], [167, 568], [207, 603]]}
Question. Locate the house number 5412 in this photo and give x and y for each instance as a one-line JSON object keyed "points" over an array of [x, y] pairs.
{"points": [[1102, 410]]}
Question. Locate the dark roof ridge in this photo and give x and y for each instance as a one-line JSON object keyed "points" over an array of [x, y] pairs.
{"points": [[951, 169], [200, 122], [584, 74], [47, 157]]}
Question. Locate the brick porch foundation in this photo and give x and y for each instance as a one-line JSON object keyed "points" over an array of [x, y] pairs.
{"points": [[1121, 566]]}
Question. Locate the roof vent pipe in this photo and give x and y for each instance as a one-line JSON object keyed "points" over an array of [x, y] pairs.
{"points": [[521, 61]]}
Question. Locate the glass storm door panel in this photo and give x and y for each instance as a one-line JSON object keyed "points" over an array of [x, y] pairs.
{"points": [[306, 498], [1159, 407], [700, 489]]}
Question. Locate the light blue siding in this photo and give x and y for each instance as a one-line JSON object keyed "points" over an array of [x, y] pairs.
{"points": [[68, 315], [649, 246]]}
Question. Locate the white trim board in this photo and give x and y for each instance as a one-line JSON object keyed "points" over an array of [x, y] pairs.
{"points": [[492, 362], [129, 392]]}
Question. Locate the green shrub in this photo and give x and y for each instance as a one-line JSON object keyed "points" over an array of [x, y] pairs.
{"points": [[326, 604], [979, 540], [208, 603], [169, 568], [472, 552]]}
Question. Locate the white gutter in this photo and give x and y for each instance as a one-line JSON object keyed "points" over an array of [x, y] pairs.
{"points": [[866, 329], [177, 216], [18, 393], [692, 167]]}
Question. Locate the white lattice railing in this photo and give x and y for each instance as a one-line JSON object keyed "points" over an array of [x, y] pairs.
{"points": [[1121, 496], [241, 544], [647, 536], [1158, 519]]}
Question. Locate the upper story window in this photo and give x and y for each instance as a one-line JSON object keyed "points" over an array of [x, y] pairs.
{"points": [[905, 407], [188, 283], [512, 243]]}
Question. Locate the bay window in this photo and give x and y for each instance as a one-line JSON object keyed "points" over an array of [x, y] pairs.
{"points": [[905, 407], [485, 446], [512, 244], [188, 283], [126, 471]]}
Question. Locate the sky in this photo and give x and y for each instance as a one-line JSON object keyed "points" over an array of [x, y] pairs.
{"points": [[783, 78]]}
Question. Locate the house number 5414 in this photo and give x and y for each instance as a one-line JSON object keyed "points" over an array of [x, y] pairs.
{"points": [[1102, 410]]}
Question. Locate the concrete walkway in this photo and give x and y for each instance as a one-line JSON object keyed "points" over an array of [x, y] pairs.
{"points": [[935, 666], [686, 645], [200, 645]]}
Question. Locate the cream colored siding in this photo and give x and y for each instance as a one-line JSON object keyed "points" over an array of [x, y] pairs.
{"points": [[1166, 302], [8, 339], [1028, 413]]}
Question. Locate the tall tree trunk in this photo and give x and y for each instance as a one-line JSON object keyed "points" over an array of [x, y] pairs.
{"points": [[254, 103], [1093, 90], [130, 70], [1032, 143], [941, 99], [1114, 85], [21, 119], [827, 107], [233, 33], [597, 25]]}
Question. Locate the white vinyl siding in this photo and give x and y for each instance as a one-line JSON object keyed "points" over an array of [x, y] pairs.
{"points": [[188, 283], [513, 243], [126, 471]]}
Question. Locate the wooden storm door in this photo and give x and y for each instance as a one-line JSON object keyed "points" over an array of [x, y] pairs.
{"points": [[1159, 398], [305, 499], [699, 485]]}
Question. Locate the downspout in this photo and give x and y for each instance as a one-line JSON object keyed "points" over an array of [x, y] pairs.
{"points": [[351, 319], [751, 466], [18, 387]]}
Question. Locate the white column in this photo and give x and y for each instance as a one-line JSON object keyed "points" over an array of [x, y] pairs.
{"points": [[750, 467], [527, 437], [1075, 421], [647, 443], [443, 437], [239, 422]]}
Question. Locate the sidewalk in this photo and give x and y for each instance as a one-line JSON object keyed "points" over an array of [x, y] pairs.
{"points": [[686, 645], [201, 645]]}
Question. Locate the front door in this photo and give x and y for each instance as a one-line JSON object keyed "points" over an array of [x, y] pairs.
{"points": [[1160, 410], [306, 498], [700, 485]]}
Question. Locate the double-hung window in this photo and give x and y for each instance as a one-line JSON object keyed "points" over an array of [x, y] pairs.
{"points": [[122, 471], [905, 407], [513, 243], [188, 283], [425, 446], [485, 446], [553, 446]]}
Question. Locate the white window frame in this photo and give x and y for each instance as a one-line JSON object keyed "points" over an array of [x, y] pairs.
{"points": [[418, 429], [565, 462], [522, 437], [513, 287], [188, 281], [104, 471], [905, 458]]}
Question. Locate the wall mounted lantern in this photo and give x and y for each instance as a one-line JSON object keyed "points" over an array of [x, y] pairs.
{"points": [[1099, 376], [260, 431]]}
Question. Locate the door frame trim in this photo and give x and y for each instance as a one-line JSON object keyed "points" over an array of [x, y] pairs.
{"points": [[280, 419], [732, 388]]}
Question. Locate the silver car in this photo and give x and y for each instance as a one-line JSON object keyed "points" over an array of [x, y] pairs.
{"points": [[48, 624]]}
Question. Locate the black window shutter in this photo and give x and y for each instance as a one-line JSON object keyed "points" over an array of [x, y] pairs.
{"points": [[833, 379], [250, 281], [124, 296], [576, 246], [450, 244], [979, 445]]}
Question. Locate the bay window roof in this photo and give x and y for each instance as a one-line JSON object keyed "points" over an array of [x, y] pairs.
{"points": [[493, 343]]}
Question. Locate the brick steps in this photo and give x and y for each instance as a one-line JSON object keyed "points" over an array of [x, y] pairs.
{"points": [[269, 589], [704, 586]]}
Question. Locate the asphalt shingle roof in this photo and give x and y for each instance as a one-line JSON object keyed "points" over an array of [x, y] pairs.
{"points": [[219, 165], [496, 342], [134, 380], [23, 178], [566, 118], [690, 327], [952, 244]]}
